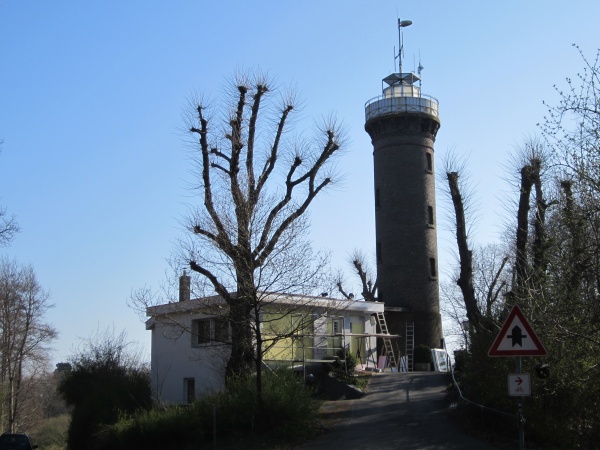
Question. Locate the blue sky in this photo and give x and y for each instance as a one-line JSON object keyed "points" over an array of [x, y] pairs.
{"points": [[96, 167]]}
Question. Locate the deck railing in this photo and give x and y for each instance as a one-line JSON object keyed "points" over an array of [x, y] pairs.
{"points": [[383, 105]]}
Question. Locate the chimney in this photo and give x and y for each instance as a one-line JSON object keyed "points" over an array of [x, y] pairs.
{"points": [[184, 287]]}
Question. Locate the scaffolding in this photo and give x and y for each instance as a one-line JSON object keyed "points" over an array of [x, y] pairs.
{"points": [[336, 344]]}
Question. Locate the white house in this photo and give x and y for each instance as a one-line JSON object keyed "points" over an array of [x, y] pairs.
{"points": [[190, 338]]}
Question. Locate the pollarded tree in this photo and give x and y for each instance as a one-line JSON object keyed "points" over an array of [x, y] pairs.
{"points": [[361, 267], [556, 268], [256, 184]]}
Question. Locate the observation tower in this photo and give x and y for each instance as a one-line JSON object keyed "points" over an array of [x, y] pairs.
{"points": [[403, 124]]}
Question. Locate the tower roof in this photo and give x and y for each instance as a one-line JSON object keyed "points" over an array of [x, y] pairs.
{"points": [[401, 78]]}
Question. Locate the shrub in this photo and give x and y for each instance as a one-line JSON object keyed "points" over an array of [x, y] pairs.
{"points": [[346, 361], [423, 354], [174, 428], [289, 413], [51, 434], [105, 381]]}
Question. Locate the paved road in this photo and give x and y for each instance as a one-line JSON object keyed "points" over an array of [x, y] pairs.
{"points": [[400, 411]]}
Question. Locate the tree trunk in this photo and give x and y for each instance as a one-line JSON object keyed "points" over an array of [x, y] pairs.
{"points": [[527, 177], [540, 241], [259, 360], [465, 279], [241, 360]]}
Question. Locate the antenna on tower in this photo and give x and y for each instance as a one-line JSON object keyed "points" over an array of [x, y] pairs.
{"points": [[401, 24], [420, 68]]}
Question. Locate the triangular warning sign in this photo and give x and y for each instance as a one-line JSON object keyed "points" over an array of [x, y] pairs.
{"points": [[517, 338]]}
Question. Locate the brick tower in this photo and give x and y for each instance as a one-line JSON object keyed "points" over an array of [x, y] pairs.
{"points": [[403, 124]]}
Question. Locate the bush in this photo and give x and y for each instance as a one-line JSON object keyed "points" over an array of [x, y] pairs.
{"points": [[163, 428], [345, 363], [105, 381], [51, 434], [423, 354], [289, 413]]}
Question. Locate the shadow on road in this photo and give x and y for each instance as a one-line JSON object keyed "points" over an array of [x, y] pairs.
{"points": [[399, 410]]}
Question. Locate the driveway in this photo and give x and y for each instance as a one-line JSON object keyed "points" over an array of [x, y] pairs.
{"points": [[399, 411]]}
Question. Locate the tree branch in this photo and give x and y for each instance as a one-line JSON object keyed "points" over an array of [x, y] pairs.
{"points": [[219, 288], [260, 91]]}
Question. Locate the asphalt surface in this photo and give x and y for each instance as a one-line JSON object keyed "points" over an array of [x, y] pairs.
{"points": [[399, 411]]}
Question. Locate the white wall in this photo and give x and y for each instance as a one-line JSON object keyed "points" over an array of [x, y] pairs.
{"points": [[174, 359]]}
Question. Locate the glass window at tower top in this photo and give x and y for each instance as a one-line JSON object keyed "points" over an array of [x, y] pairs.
{"points": [[402, 90]]}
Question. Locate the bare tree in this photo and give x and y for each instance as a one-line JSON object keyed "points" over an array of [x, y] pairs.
{"points": [[8, 227], [368, 282], [554, 266], [256, 186], [465, 279], [24, 337], [483, 273], [8, 224]]}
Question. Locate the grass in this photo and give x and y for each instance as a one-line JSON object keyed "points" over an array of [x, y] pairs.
{"points": [[52, 433]]}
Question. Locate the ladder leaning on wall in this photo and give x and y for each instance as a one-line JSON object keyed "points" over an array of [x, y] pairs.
{"points": [[387, 342], [410, 345]]}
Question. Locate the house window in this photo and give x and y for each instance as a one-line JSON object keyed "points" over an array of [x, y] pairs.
{"points": [[430, 215], [201, 331], [334, 341], [429, 162], [210, 330], [432, 269], [189, 386], [336, 326], [221, 330]]}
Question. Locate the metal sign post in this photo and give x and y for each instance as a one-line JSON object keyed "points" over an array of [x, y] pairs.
{"points": [[517, 338], [518, 369]]}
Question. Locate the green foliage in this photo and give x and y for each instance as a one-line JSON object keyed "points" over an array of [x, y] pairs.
{"points": [[422, 354], [346, 361], [556, 273], [104, 382], [51, 434], [161, 428], [288, 413]]}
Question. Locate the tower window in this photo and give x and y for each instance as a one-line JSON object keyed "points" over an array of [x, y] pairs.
{"points": [[430, 215], [429, 162], [432, 270], [377, 204], [378, 251]]}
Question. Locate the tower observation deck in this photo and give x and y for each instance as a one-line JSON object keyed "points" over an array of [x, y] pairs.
{"points": [[400, 96], [403, 124]]}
